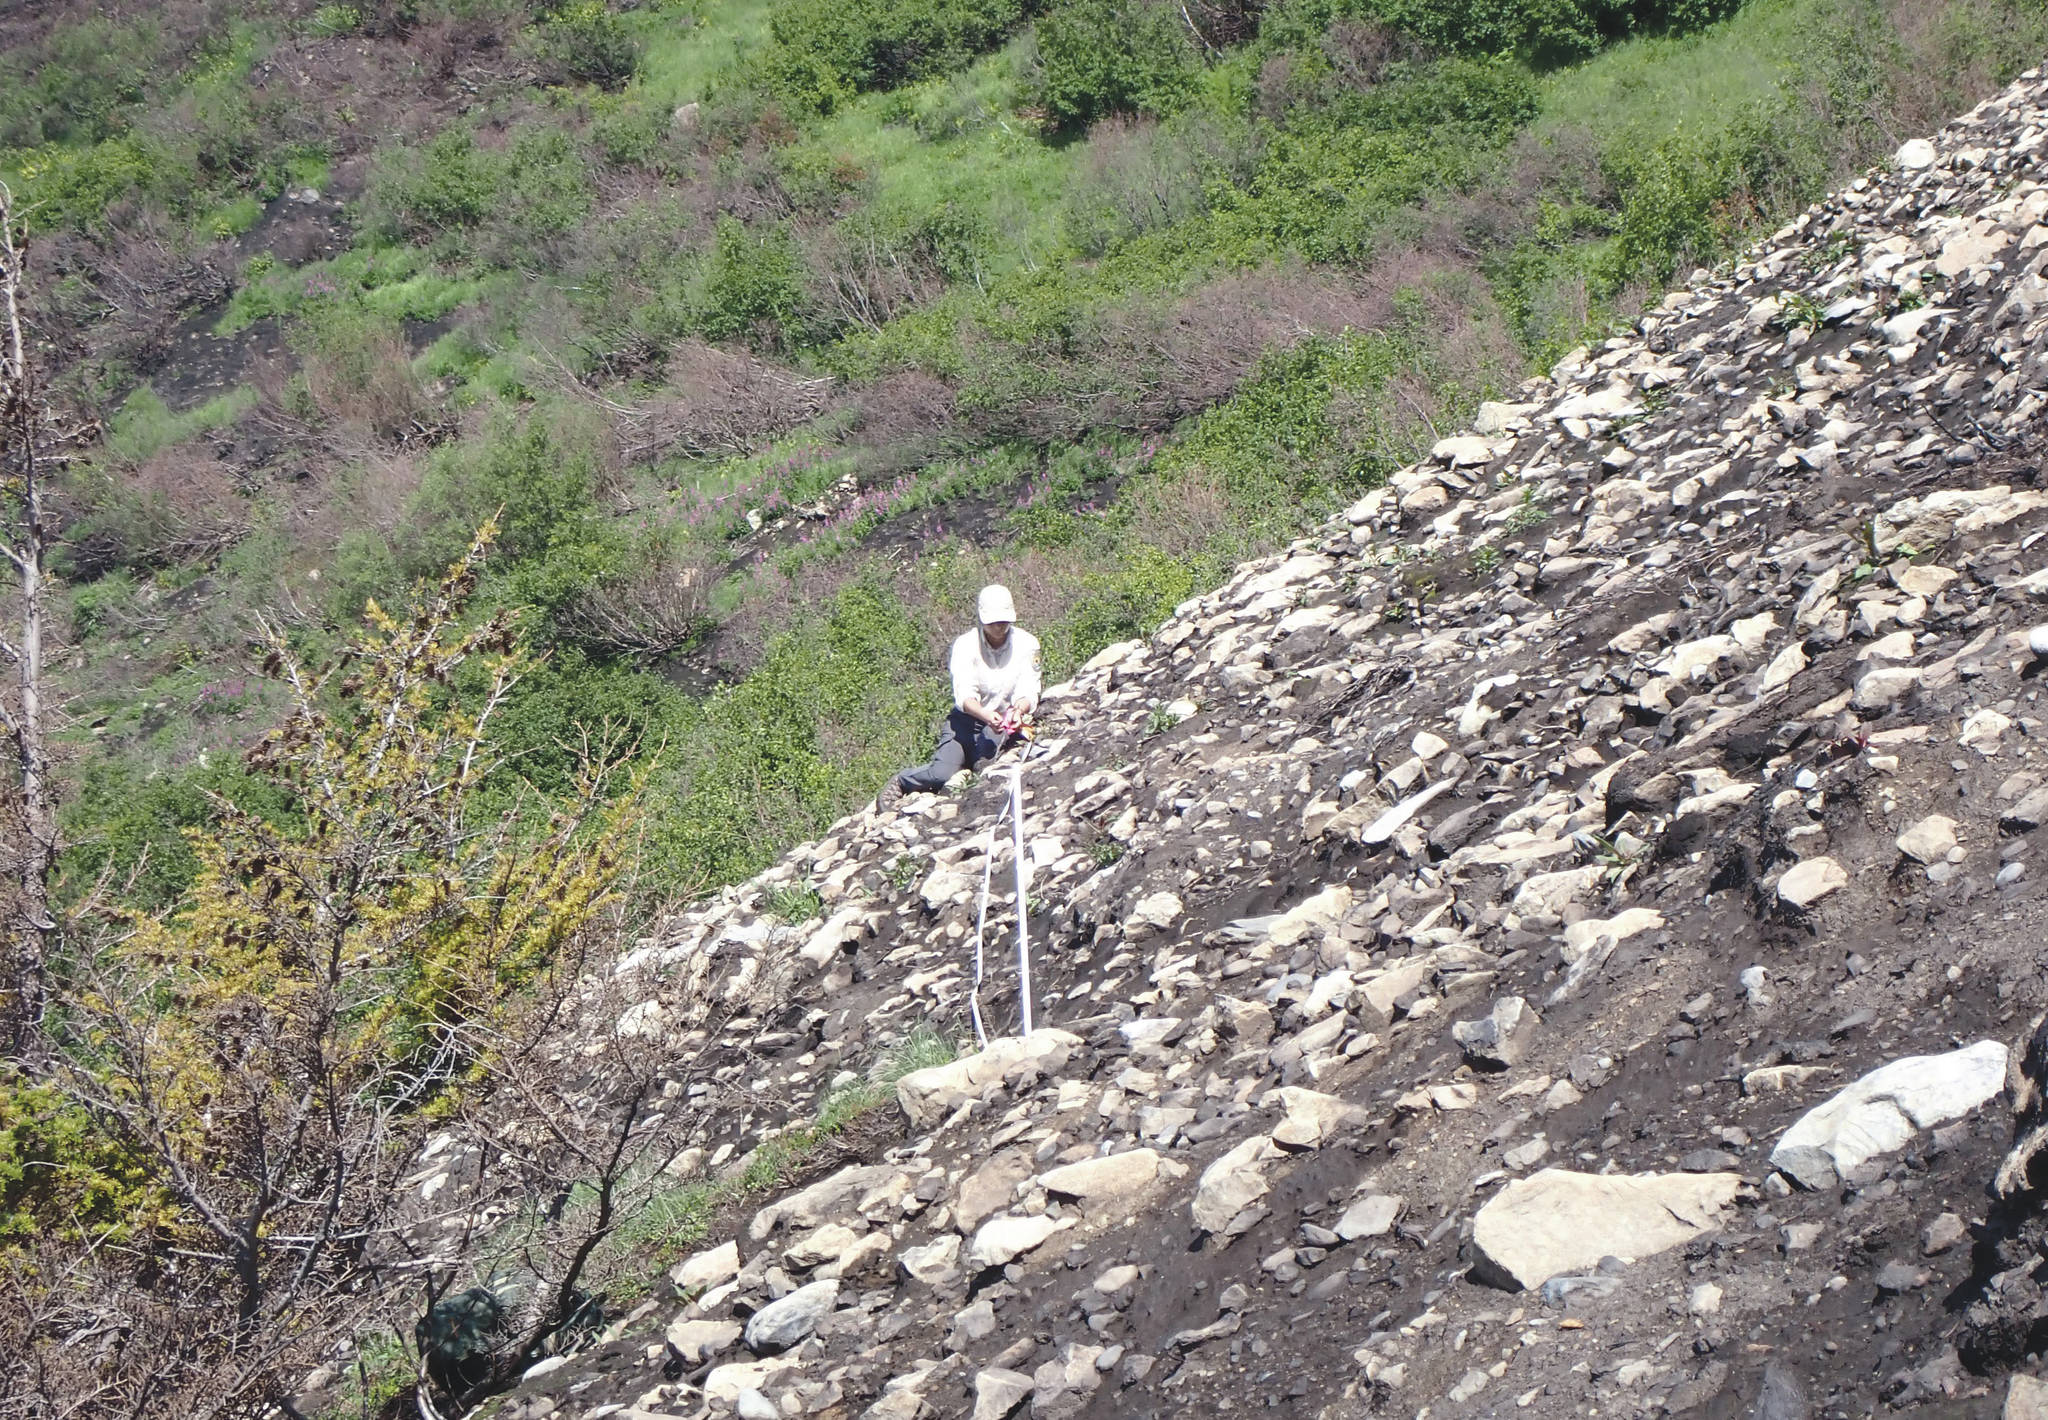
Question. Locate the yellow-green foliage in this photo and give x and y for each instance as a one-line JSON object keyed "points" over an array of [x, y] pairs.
{"points": [[385, 907], [59, 1174]]}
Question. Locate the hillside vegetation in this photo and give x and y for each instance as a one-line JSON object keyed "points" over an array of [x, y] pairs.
{"points": [[774, 328], [760, 334]]}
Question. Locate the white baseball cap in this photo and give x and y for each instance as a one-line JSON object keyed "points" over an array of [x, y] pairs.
{"points": [[994, 604]]}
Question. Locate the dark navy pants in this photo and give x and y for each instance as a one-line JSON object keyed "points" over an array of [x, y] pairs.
{"points": [[964, 743]]}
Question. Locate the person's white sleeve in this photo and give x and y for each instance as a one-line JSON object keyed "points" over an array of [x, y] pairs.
{"points": [[966, 684]]}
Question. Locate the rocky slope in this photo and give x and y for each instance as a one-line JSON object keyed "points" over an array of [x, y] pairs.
{"points": [[1463, 945]]}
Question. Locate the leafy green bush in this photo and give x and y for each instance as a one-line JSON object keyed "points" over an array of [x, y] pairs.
{"points": [[73, 187], [1129, 599], [753, 284], [569, 696], [444, 186], [544, 486], [1305, 431], [132, 830], [98, 606], [837, 703], [60, 1174], [543, 190], [1099, 57], [76, 85], [795, 902], [824, 52], [145, 424], [334, 21], [583, 42], [1544, 31]]}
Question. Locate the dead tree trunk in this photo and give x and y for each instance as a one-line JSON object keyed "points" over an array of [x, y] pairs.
{"points": [[25, 543]]}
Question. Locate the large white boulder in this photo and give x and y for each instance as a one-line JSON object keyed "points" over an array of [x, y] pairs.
{"points": [[1557, 1222], [1882, 1111]]}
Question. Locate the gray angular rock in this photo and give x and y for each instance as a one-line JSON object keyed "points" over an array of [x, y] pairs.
{"points": [[1232, 1183], [696, 1342], [928, 1096], [1112, 1180], [1370, 1217], [1313, 1118], [785, 1322], [1499, 1039], [1062, 1387], [998, 1393], [705, 1270], [1808, 882], [1001, 1239]]}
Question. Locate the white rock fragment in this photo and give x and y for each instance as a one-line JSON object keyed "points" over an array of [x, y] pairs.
{"points": [[786, 1321], [928, 1096], [1001, 1240], [1154, 913], [1807, 883], [705, 1270], [1232, 1183], [1557, 1221], [1881, 1112], [998, 1393], [1313, 1119], [1111, 1181], [1930, 840], [1370, 1217]]}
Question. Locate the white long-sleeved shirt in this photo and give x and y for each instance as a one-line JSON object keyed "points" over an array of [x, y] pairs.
{"points": [[999, 679]]}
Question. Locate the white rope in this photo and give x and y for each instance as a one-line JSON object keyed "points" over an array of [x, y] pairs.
{"points": [[1023, 902], [988, 863]]}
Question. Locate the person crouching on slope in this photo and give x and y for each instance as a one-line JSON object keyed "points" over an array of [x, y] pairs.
{"points": [[995, 689]]}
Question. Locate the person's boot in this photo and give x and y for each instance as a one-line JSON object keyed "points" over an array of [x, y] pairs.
{"points": [[890, 797]]}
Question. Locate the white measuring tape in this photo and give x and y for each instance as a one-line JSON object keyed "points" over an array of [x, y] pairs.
{"points": [[988, 865]]}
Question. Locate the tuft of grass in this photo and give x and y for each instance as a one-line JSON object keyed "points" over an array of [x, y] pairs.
{"points": [[146, 425], [794, 902]]}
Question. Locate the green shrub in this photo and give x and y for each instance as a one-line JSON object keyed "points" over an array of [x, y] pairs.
{"points": [[543, 190], [131, 830], [1282, 446], [61, 1175], [73, 187], [568, 696], [824, 52], [838, 702], [444, 186], [99, 606], [540, 488], [1544, 31], [1124, 601], [585, 43], [76, 85], [628, 133], [145, 424], [1099, 57], [334, 21], [753, 284], [795, 902]]}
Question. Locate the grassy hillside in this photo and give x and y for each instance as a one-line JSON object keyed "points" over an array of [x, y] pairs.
{"points": [[774, 327]]}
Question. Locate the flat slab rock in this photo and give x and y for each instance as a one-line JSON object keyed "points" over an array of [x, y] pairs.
{"points": [[1557, 1221], [1882, 1111], [928, 1096]]}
